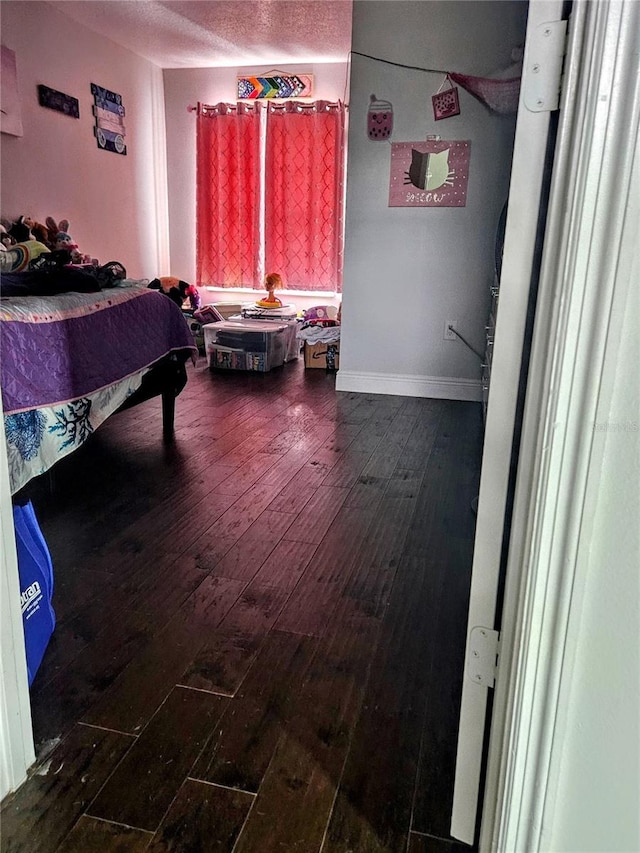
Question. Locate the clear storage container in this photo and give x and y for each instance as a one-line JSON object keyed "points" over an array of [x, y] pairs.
{"points": [[246, 345]]}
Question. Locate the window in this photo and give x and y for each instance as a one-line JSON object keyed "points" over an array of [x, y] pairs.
{"points": [[270, 194]]}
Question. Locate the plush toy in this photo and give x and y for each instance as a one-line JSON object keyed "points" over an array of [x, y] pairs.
{"points": [[177, 290], [20, 231], [5, 239], [60, 232], [39, 231], [52, 229], [59, 239]]}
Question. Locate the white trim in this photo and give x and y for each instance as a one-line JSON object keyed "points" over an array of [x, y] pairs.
{"points": [[594, 221], [251, 291], [438, 387], [527, 173], [160, 181], [16, 737]]}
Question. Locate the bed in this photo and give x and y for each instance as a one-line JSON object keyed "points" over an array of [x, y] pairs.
{"points": [[69, 361]]}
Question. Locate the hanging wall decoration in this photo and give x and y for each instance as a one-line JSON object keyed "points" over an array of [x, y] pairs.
{"points": [[55, 100], [379, 120], [10, 112], [500, 96], [109, 113], [445, 103], [432, 173], [275, 84]]}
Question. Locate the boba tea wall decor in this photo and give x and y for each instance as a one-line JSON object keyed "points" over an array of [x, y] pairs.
{"points": [[379, 120]]}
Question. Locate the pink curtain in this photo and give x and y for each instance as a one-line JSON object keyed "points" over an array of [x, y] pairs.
{"points": [[303, 195], [227, 195]]}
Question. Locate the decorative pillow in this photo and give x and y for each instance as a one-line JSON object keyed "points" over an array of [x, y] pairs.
{"points": [[320, 314], [18, 257]]}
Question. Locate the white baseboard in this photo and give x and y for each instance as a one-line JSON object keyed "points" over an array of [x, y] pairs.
{"points": [[437, 387]]}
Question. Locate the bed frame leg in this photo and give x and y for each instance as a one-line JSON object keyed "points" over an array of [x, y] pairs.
{"points": [[168, 414]]}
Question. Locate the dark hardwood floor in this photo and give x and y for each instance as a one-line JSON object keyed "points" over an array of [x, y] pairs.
{"points": [[261, 626]]}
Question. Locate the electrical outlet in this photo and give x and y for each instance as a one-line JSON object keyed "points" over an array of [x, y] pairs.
{"points": [[448, 334]]}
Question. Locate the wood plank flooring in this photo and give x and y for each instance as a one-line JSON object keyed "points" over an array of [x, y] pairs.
{"points": [[260, 626]]}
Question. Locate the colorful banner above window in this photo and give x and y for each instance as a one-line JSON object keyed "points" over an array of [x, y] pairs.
{"points": [[275, 85], [109, 113], [433, 173]]}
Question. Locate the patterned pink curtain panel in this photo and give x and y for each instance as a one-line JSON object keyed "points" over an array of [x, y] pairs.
{"points": [[303, 194], [227, 195]]}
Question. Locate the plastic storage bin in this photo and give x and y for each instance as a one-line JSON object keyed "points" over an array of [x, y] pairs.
{"points": [[246, 345]]}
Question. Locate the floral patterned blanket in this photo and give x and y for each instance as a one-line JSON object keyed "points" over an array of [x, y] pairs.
{"points": [[67, 362]]}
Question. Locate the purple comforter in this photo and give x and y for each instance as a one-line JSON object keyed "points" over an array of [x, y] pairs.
{"points": [[61, 348]]}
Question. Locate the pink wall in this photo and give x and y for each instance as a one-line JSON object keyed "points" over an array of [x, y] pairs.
{"points": [[116, 204]]}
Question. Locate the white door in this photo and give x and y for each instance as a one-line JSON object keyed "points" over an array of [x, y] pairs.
{"points": [[544, 47], [590, 246]]}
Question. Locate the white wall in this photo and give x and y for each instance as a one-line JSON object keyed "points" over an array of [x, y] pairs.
{"points": [[409, 270], [115, 204], [187, 86]]}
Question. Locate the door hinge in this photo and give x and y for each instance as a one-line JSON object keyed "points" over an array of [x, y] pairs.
{"points": [[482, 660], [542, 75]]}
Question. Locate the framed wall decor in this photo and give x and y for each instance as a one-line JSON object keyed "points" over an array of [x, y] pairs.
{"points": [[275, 84], [11, 112], [430, 173], [109, 113], [58, 101]]}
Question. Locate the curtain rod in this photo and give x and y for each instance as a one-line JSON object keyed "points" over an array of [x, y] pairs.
{"points": [[275, 104]]}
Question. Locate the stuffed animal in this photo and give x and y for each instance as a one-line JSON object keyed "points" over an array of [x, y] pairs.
{"points": [[39, 231], [5, 239], [177, 290], [52, 229], [59, 234], [59, 238], [20, 231]]}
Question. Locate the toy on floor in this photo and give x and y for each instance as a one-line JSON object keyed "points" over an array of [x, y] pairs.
{"points": [[177, 290], [272, 280]]}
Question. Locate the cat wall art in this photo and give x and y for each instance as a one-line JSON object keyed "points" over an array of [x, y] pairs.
{"points": [[434, 173]]}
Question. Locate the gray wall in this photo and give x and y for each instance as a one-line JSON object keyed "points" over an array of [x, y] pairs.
{"points": [[409, 270]]}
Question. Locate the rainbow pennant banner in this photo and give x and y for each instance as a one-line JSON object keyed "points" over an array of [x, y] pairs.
{"points": [[275, 86]]}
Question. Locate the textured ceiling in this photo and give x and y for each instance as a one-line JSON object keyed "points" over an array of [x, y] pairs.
{"points": [[210, 33]]}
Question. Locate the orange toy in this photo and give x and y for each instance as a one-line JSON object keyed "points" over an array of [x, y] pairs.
{"points": [[271, 281]]}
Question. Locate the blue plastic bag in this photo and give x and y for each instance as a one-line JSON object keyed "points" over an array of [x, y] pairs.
{"points": [[35, 571]]}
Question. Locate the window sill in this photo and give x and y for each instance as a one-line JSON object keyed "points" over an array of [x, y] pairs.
{"points": [[250, 291]]}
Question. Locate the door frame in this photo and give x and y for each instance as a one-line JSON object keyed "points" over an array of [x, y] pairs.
{"points": [[590, 239], [17, 752], [528, 189]]}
